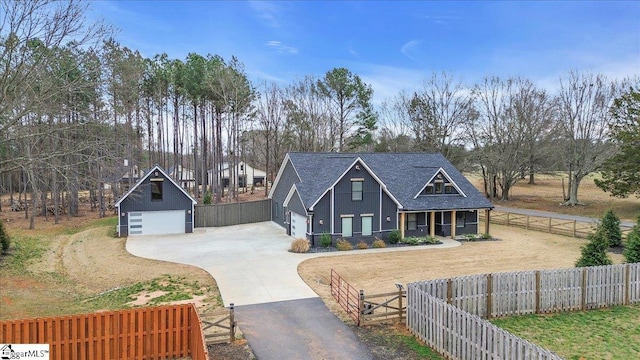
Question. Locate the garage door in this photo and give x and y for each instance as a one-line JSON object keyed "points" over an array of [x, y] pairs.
{"points": [[156, 222], [298, 225]]}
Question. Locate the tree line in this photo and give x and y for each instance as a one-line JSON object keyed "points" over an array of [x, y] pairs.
{"points": [[75, 103]]}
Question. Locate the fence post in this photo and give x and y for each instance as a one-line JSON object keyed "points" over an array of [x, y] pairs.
{"points": [[537, 291], [527, 222], [574, 228], [508, 219], [549, 228], [627, 284], [400, 302], [584, 289], [449, 290], [489, 295], [360, 306], [232, 323]]}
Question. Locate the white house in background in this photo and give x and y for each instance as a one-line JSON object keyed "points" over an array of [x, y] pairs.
{"points": [[243, 175], [183, 176]]}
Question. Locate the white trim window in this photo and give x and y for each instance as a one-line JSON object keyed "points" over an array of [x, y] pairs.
{"points": [[347, 226], [356, 189], [367, 225]]}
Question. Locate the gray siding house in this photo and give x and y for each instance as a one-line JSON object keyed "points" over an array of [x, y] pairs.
{"points": [[156, 204], [368, 195]]}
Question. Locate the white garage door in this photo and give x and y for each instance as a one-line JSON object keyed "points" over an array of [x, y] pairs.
{"points": [[298, 225], [156, 222]]}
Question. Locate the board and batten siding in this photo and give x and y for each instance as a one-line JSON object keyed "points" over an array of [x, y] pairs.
{"points": [[390, 210], [344, 205], [280, 192], [140, 200], [322, 213]]}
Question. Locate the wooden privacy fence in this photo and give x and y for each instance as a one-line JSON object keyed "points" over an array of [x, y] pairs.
{"points": [[164, 332], [457, 334], [367, 309], [551, 225], [232, 213], [543, 291]]}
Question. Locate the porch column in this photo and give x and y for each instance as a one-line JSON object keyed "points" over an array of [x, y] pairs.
{"points": [[432, 223], [487, 220], [453, 224], [402, 225]]}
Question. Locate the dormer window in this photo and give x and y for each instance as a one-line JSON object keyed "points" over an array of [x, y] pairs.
{"points": [[440, 184]]}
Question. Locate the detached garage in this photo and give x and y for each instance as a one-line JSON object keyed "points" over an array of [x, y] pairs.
{"points": [[155, 205]]}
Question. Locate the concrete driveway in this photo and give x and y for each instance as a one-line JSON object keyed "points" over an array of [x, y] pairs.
{"points": [[250, 262]]}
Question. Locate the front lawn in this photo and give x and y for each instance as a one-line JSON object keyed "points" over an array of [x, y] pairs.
{"points": [[596, 334]]}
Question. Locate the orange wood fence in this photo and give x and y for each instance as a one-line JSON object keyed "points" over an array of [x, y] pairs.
{"points": [[163, 332]]}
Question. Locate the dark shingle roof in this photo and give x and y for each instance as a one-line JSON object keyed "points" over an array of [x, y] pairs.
{"points": [[404, 175]]}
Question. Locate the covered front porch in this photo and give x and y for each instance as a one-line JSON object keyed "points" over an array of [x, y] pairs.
{"points": [[445, 223]]}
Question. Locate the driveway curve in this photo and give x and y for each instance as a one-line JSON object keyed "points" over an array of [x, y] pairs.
{"points": [[250, 262], [280, 316]]}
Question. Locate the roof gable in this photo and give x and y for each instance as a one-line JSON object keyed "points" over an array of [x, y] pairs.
{"points": [[149, 173], [446, 180], [400, 174]]}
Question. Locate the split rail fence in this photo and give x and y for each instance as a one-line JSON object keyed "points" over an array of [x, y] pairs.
{"points": [[448, 313], [164, 332], [574, 228]]}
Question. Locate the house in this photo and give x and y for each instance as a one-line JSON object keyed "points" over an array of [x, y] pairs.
{"points": [[156, 204], [244, 175], [362, 196], [119, 177], [183, 176]]}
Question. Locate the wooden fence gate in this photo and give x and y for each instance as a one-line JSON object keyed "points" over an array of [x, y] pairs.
{"points": [[219, 326]]}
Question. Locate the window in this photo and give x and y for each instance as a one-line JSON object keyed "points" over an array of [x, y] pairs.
{"points": [[275, 209], [347, 226], [439, 186], [460, 219], [429, 189], [156, 189], [412, 221], [367, 222], [448, 189], [356, 189]]}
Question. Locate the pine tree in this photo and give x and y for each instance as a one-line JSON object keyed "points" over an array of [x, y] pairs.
{"points": [[595, 252], [632, 250], [4, 239], [611, 226]]}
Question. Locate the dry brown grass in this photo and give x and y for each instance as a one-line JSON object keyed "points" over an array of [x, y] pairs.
{"points": [[546, 195], [515, 249]]}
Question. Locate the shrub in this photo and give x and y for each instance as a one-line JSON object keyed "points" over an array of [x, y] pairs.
{"points": [[343, 245], [4, 238], [362, 245], [470, 237], [611, 226], [632, 249], [595, 252], [207, 198], [300, 245], [431, 239], [394, 237], [411, 240], [486, 236], [325, 240], [378, 244]]}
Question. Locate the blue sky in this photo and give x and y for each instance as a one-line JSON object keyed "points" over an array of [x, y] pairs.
{"points": [[391, 45]]}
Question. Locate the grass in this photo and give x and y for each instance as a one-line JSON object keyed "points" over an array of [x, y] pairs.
{"points": [[423, 351], [175, 288], [597, 334]]}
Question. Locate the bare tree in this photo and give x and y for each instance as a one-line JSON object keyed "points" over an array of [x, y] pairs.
{"points": [[270, 118], [584, 101]]}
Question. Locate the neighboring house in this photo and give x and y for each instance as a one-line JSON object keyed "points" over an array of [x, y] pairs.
{"points": [[243, 174], [362, 196], [119, 177], [156, 204], [183, 176]]}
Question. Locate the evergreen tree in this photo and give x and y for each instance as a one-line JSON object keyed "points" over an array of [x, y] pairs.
{"points": [[4, 239], [632, 250], [595, 252], [611, 226]]}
